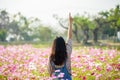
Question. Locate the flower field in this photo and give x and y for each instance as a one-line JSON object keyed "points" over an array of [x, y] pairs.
{"points": [[24, 62]]}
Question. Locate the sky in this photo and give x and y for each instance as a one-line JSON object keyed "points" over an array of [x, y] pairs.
{"points": [[45, 9]]}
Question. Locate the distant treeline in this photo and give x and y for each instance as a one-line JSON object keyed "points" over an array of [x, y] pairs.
{"points": [[17, 27]]}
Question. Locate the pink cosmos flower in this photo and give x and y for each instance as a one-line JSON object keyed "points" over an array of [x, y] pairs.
{"points": [[98, 68], [108, 67], [84, 78], [98, 76], [92, 73]]}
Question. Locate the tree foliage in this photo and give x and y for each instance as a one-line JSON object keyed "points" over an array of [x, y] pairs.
{"points": [[17, 27], [106, 23]]}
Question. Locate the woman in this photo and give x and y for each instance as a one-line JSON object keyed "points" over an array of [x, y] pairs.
{"points": [[59, 63]]}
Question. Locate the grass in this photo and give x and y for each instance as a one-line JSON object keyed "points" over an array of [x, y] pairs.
{"points": [[79, 50], [99, 44]]}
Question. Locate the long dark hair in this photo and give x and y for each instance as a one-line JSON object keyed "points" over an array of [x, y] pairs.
{"points": [[58, 52]]}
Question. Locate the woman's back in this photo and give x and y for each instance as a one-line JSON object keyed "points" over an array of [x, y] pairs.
{"points": [[61, 72]]}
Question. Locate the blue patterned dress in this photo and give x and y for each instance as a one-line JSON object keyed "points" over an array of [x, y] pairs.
{"points": [[61, 73]]}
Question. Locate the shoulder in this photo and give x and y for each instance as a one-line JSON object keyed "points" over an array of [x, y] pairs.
{"points": [[69, 41]]}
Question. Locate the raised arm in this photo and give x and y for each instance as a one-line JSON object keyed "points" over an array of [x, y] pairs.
{"points": [[69, 36]]}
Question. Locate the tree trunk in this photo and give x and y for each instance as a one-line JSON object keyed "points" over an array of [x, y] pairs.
{"points": [[86, 36], [76, 33], [95, 35]]}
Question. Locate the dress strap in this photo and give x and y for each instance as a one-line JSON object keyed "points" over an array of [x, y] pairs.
{"points": [[65, 64]]}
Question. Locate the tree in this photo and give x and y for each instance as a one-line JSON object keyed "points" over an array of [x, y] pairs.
{"points": [[111, 21], [114, 18], [43, 33], [98, 24], [4, 19], [19, 27], [83, 23], [80, 23], [3, 35], [4, 22]]}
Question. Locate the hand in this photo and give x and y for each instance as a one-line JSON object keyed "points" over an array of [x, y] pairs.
{"points": [[70, 27]]}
